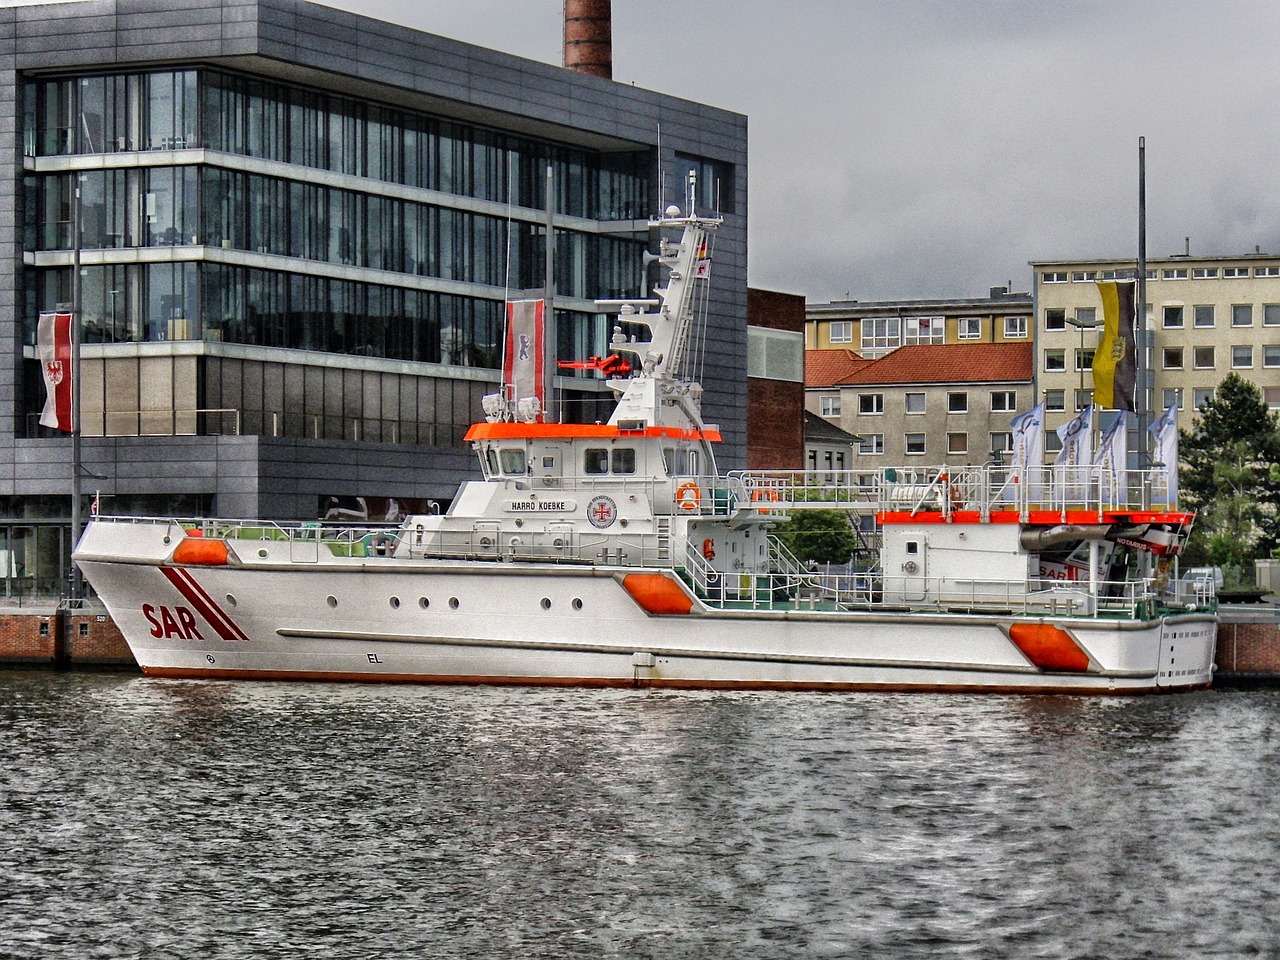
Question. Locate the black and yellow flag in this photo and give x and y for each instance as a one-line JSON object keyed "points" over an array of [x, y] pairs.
{"points": [[1115, 368]]}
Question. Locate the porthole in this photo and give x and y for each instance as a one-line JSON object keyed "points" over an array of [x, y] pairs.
{"points": [[453, 603], [423, 602], [395, 603], [262, 554], [546, 603], [331, 600], [231, 600], [577, 603]]}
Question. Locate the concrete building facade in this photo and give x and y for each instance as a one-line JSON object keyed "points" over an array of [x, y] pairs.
{"points": [[1206, 317], [297, 230], [873, 328], [925, 403], [775, 380]]}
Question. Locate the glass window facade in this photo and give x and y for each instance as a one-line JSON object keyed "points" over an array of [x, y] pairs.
{"points": [[201, 202]]}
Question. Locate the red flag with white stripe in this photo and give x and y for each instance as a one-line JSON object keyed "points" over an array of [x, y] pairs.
{"points": [[53, 337]]}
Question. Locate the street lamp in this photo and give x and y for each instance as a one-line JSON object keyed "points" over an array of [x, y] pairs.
{"points": [[1082, 326]]}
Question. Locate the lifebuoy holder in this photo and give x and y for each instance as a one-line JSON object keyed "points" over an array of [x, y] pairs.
{"points": [[689, 497], [764, 494]]}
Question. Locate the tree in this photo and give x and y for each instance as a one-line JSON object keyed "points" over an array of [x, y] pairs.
{"points": [[1230, 474], [825, 536]]}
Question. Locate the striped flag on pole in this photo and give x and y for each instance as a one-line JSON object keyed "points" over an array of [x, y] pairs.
{"points": [[1115, 365], [53, 338]]}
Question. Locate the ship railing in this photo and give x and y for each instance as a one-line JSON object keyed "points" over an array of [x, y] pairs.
{"points": [[842, 590]]}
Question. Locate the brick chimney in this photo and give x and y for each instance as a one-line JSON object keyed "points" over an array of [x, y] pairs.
{"points": [[588, 37]]}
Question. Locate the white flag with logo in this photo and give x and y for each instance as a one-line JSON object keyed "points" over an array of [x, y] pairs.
{"points": [[1072, 462], [1112, 456], [1165, 447], [1028, 450]]}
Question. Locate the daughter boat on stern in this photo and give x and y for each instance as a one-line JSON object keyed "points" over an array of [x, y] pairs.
{"points": [[616, 555]]}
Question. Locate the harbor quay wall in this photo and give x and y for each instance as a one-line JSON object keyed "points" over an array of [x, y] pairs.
{"points": [[1248, 644], [50, 636], [1248, 647]]}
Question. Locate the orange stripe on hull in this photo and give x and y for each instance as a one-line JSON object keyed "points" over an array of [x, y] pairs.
{"points": [[657, 593], [1049, 648]]}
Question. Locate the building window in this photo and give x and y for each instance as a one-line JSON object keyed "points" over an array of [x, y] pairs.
{"points": [[842, 331], [1234, 273], [872, 444], [1055, 319], [1271, 315], [1203, 313], [1084, 276], [1084, 359], [1271, 356], [915, 402], [1055, 400], [1015, 328], [1172, 397], [957, 403], [1242, 314], [1002, 442], [957, 443], [1003, 401], [1266, 271], [1083, 398], [914, 444], [1172, 358], [880, 335], [1204, 273], [1271, 396], [1179, 273], [1052, 442], [775, 354], [1241, 358], [1173, 315], [1202, 358], [1086, 316], [1201, 396], [969, 328], [1054, 277], [924, 330], [870, 404], [1055, 361], [829, 406]]}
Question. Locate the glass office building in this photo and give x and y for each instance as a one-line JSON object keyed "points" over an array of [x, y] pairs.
{"points": [[297, 228]]}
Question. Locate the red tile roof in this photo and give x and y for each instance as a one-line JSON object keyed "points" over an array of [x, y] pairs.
{"points": [[826, 368], [941, 363]]}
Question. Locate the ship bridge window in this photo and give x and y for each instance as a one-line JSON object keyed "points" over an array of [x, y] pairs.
{"points": [[624, 460], [491, 461], [680, 462], [513, 463], [595, 461]]}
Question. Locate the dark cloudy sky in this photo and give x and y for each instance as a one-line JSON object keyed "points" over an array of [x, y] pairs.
{"points": [[932, 148]]}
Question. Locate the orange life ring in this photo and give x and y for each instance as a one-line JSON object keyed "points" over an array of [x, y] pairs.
{"points": [[689, 497]]}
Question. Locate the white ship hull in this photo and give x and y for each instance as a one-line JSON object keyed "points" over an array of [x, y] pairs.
{"points": [[383, 619]]}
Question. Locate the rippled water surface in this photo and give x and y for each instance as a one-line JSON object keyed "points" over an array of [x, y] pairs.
{"points": [[147, 818]]}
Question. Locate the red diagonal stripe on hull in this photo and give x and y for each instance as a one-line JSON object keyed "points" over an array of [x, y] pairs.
{"points": [[208, 608]]}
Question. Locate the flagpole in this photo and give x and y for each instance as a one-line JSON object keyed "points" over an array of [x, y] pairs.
{"points": [[1140, 347], [74, 590], [549, 307]]}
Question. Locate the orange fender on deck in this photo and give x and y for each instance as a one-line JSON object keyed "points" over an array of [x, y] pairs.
{"points": [[201, 552], [657, 593]]}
